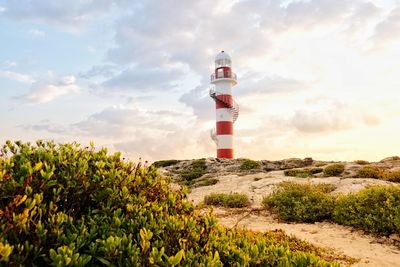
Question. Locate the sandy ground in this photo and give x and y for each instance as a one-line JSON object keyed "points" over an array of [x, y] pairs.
{"points": [[370, 250]]}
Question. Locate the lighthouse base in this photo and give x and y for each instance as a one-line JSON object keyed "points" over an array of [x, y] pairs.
{"points": [[225, 153]]}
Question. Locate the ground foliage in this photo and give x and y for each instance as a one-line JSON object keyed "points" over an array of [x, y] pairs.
{"points": [[231, 200], [375, 209], [334, 169], [67, 205], [303, 173], [301, 202], [249, 164], [195, 170]]}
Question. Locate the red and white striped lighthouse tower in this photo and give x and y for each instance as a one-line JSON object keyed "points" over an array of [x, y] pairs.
{"points": [[227, 110]]}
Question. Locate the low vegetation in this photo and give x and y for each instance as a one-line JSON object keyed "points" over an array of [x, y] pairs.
{"points": [[301, 202], [375, 209], [249, 164], [67, 205], [231, 200], [370, 172], [361, 162], [303, 173], [206, 182], [165, 163], [195, 170], [378, 173], [334, 170]]}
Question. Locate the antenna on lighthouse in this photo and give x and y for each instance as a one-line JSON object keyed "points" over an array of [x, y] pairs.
{"points": [[227, 110]]}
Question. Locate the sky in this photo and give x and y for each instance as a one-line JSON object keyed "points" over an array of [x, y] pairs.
{"points": [[316, 78]]}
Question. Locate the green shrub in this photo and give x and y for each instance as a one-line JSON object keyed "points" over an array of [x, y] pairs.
{"points": [[165, 163], [361, 162], [301, 202], [232, 200], [375, 209], [370, 172], [249, 164], [207, 182], [334, 170], [393, 176], [67, 205], [302, 173], [195, 170]]}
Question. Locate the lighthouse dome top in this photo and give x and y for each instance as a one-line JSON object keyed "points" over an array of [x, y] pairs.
{"points": [[223, 60]]}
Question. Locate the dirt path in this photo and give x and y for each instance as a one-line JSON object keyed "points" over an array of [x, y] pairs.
{"points": [[346, 240]]}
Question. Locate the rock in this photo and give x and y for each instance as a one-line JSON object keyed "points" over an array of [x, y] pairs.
{"points": [[390, 159]]}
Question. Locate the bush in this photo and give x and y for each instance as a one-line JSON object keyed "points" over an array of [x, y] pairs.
{"points": [[370, 172], [302, 173], [393, 176], [249, 164], [361, 162], [232, 200], [165, 163], [334, 170], [375, 209], [196, 169], [207, 182], [64, 205], [301, 202]]}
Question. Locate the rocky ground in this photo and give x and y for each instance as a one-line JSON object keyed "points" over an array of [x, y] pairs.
{"points": [[260, 181]]}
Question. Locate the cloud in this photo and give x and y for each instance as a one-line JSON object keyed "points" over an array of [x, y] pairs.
{"points": [[127, 122], [37, 33], [47, 90], [329, 115], [47, 126], [388, 31], [74, 16], [19, 77], [137, 79]]}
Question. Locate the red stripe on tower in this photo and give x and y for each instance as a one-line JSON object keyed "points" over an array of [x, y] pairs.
{"points": [[227, 111], [224, 127], [225, 153]]}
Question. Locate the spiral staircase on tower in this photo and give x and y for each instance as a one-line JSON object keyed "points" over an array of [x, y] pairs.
{"points": [[224, 100]]}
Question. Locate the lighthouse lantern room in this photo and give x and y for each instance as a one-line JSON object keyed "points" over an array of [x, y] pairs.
{"points": [[227, 111]]}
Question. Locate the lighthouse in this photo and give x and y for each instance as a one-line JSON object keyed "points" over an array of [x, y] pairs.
{"points": [[227, 111]]}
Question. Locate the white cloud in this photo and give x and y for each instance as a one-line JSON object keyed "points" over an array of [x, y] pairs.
{"points": [[19, 77], [37, 33], [2, 9], [47, 90], [74, 16], [10, 64]]}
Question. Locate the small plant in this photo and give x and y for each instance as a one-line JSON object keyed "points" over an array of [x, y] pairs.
{"points": [[207, 182], [301, 202], [232, 200], [196, 169], [249, 164], [334, 170], [361, 162], [370, 172], [375, 209], [302, 173], [393, 176], [165, 163], [320, 164]]}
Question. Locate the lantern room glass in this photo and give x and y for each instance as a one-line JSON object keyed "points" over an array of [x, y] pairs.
{"points": [[224, 62]]}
